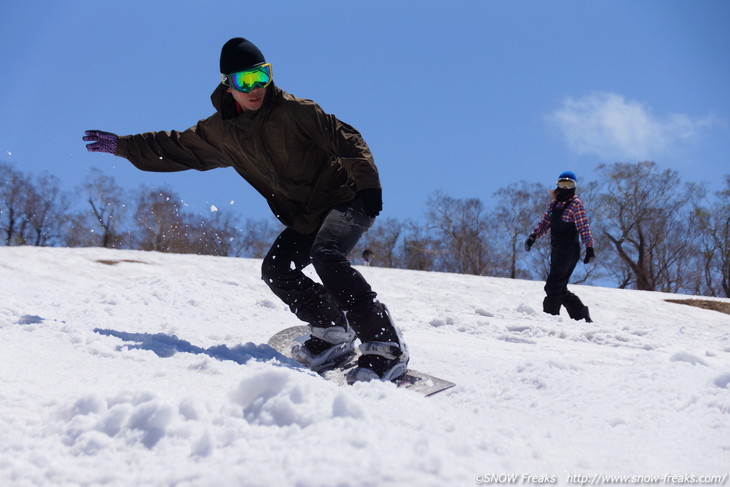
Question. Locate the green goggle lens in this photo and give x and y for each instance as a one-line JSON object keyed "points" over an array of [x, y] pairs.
{"points": [[245, 81]]}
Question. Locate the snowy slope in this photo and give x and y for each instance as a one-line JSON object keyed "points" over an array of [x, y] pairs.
{"points": [[126, 368]]}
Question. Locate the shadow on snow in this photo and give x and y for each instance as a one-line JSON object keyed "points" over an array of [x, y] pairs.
{"points": [[168, 345]]}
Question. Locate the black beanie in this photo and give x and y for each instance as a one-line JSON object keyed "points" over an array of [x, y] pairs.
{"points": [[238, 54]]}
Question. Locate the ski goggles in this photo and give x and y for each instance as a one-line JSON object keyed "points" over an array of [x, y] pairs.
{"points": [[250, 79], [566, 183]]}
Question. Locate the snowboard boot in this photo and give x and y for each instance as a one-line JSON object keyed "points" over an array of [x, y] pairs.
{"points": [[326, 347], [384, 353], [577, 310], [379, 361], [587, 315]]}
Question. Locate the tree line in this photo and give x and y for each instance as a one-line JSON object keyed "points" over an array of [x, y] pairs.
{"points": [[651, 230], [35, 211]]}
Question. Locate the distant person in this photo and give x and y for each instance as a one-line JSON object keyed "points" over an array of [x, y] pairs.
{"points": [[566, 219], [367, 256], [320, 180]]}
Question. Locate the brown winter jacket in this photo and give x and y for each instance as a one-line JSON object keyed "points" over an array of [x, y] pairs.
{"points": [[301, 159]]}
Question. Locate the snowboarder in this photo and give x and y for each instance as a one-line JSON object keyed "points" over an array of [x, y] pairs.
{"points": [[565, 218], [319, 178]]}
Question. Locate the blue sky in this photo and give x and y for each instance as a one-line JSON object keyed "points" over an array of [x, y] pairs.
{"points": [[464, 97]]}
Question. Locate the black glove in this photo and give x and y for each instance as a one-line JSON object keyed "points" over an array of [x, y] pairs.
{"points": [[372, 201], [530, 240], [590, 255]]}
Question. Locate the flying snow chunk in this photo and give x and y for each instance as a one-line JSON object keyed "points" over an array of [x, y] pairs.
{"points": [[213, 208]]}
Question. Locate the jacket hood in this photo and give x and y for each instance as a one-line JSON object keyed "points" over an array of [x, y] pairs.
{"points": [[225, 105]]}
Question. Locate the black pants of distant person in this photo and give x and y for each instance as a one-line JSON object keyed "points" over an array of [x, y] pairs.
{"points": [[564, 255], [343, 288]]}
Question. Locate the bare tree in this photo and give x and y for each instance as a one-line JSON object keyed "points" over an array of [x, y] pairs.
{"points": [[164, 224], [383, 240], [721, 232], [419, 250], [518, 207], [641, 217], [460, 226], [14, 189], [158, 221], [713, 244], [256, 238], [102, 223], [46, 210], [721, 235], [218, 233]]}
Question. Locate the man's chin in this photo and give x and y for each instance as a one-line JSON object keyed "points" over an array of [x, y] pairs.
{"points": [[254, 105]]}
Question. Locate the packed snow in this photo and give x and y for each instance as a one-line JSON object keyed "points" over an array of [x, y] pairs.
{"points": [[126, 368]]}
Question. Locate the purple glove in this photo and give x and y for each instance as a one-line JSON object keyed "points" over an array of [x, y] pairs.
{"points": [[102, 141]]}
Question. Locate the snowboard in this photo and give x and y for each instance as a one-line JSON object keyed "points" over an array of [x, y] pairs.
{"points": [[412, 380]]}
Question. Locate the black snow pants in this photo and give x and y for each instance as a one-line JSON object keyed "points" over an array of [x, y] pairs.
{"points": [[342, 290], [564, 255]]}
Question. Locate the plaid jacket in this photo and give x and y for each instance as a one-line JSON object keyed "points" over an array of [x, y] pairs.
{"points": [[576, 213]]}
